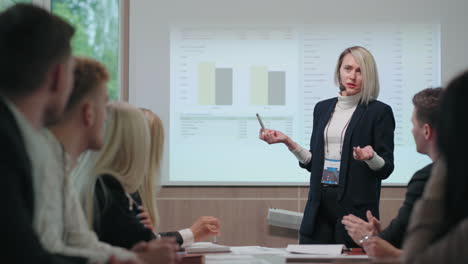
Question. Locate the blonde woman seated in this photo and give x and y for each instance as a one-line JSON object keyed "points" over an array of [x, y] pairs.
{"points": [[121, 169], [203, 228]]}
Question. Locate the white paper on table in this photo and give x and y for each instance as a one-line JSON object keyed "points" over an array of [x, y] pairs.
{"points": [[257, 250], [233, 259], [206, 247], [228, 257], [311, 257], [332, 250]]}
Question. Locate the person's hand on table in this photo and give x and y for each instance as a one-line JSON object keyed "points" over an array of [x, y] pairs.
{"points": [[114, 260], [205, 227], [158, 251], [379, 248]]}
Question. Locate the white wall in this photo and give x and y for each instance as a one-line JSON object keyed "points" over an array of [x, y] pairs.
{"points": [[150, 21]]}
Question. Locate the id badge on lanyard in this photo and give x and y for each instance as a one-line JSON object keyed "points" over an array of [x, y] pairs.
{"points": [[331, 171]]}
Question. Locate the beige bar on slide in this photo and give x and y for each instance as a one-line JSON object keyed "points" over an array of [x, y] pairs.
{"points": [[259, 85], [206, 83]]}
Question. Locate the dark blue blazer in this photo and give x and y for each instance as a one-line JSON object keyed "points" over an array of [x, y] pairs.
{"points": [[359, 186]]}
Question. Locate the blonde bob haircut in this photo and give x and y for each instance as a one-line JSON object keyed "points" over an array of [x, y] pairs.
{"points": [[156, 129], [370, 79], [124, 156]]}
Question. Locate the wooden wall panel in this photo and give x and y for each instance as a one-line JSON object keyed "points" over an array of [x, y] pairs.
{"points": [[243, 210]]}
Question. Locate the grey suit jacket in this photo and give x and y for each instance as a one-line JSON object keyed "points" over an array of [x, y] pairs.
{"points": [[428, 239]]}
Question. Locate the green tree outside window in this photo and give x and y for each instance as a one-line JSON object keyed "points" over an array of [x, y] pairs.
{"points": [[97, 33]]}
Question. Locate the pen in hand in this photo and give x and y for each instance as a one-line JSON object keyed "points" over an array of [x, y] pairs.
{"points": [[215, 239], [260, 121]]}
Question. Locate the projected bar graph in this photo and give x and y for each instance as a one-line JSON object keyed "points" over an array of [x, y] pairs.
{"points": [[223, 86], [214, 85], [206, 83], [267, 87], [259, 85], [276, 87]]}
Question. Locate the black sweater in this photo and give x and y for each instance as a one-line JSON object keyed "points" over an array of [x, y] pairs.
{"points": [[116, 220], [395, 232]]}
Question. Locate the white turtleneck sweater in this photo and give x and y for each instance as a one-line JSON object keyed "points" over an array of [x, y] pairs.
{"points": [[335, 134]]}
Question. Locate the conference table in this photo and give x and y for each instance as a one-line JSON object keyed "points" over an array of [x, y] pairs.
{"points": [[263, 255]]}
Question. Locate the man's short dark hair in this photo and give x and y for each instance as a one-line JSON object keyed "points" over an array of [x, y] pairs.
{"points": [[426, 104], [31, 41]]}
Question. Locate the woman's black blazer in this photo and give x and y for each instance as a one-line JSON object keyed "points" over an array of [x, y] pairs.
{"points": [[359, 186]]}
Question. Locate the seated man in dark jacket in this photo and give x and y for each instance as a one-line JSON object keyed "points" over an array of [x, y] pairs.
{"points": [[35, 81], [388, 242]]}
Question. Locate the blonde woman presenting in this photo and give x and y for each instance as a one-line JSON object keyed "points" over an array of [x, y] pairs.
{"points": [[351, 151]]}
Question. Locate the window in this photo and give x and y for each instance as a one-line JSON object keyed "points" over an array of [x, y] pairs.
{"points": [[97, 33], [4, 4]]}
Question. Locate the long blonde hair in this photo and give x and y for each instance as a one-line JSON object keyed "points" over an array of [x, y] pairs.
{"points": [[153, 176], [370, 78], [124, 156]]}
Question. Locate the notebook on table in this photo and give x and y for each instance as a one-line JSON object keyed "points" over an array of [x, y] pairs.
{"points": [[206, 247]]}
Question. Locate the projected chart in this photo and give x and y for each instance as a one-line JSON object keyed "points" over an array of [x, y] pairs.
{"points": [[222, 75], [214, 85], [267, 87], [240, 67]]}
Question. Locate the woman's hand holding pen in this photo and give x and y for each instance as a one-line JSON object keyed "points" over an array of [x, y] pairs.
{"points": [[271, 136], [365, 153]]}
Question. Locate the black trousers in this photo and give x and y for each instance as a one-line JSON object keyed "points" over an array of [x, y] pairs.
{"points": [[328, 228]]}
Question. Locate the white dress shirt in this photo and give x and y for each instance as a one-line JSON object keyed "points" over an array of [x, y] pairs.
{"points": [[60, 221]]}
